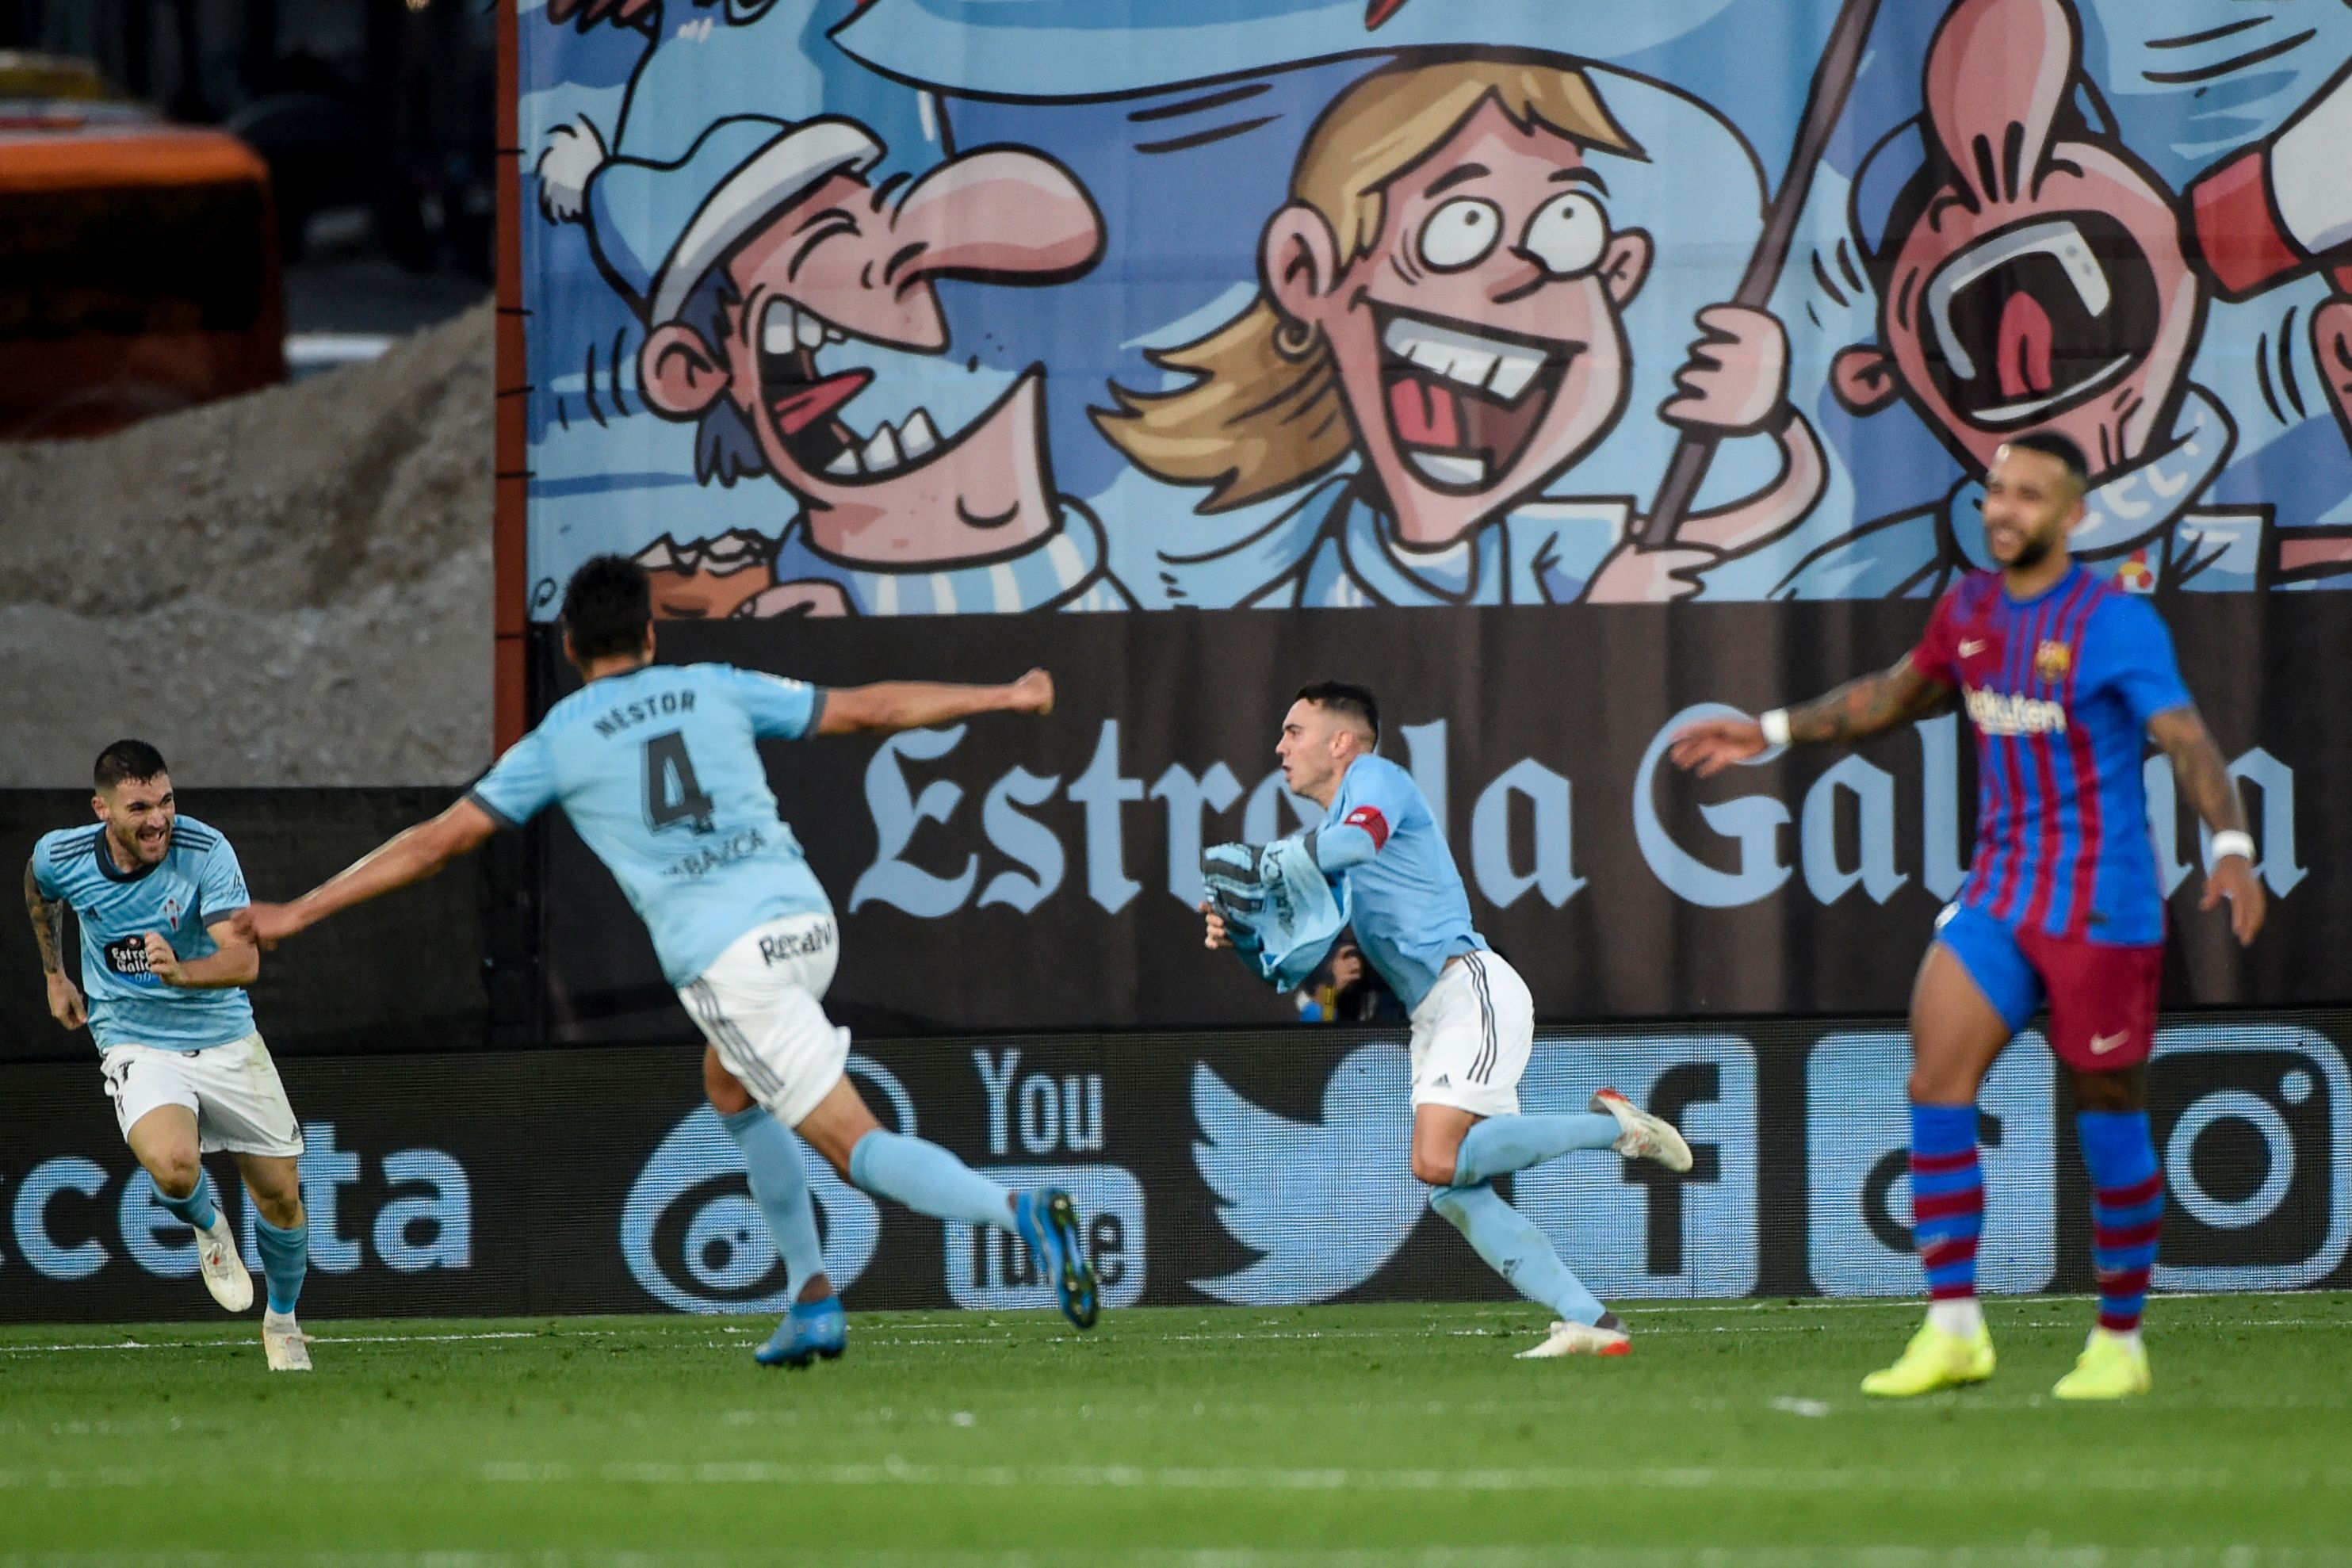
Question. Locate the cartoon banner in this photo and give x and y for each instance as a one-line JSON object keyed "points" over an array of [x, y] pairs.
{"points": [[1015, 874], [1259, 1169], [883, 308]]}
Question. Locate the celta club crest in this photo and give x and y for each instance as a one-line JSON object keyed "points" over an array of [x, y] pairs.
{"points": [[2052, 659]]}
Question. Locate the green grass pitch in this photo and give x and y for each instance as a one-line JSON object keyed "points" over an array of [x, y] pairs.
{"points": [[1222, 1437]]}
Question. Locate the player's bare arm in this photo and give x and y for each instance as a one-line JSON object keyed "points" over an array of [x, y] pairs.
{"points": [[893, 705], [1871, 705], [48, 917], [236, 962], [409, 856], [2205, 780]]}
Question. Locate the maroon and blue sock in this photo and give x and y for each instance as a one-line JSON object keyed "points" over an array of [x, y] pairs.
{"points": [[1947, 1197], [2126, 1211]]}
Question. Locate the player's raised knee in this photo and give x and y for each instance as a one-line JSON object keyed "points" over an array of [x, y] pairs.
{"points": [[174, 1172], [724, 1089], [1435, 1165]]}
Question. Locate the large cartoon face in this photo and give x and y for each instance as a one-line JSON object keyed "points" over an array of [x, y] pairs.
{"points": [[2043, 287], [853, 261], [1478, 345]]}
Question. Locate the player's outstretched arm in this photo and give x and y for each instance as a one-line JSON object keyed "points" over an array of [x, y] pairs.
{"points": [[407, 856], [48, 917], [892, 705], [2205, 780], [235, 961], [1895, 696]]}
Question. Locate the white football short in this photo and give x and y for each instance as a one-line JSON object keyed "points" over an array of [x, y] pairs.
{"points": [[759, 1005], [234, 1090], [1471, 1037]]}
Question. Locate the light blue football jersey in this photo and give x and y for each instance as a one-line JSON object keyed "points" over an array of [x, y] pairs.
{"points": [[1409, 909], [197, 883], [658, 771]]}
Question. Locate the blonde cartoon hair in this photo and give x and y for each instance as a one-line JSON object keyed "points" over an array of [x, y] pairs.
{"points": [[1262, 412]]}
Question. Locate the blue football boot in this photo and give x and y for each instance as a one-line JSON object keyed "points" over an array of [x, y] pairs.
{"points": [[812, 1329], [1048, 1221]]}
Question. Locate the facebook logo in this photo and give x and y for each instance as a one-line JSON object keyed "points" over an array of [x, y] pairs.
{"points": [[1858, 1167], [1629, 1227]]}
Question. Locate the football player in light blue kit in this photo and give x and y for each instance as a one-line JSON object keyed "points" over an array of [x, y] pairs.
{"points": [[1473, 1020], [156, 894], [658, 768]]}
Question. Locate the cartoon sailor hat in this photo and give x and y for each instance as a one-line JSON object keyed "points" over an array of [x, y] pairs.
{"points": [[656, 228]]}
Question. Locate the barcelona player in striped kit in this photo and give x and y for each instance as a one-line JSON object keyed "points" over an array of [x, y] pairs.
{"points": [[2065, 678]]}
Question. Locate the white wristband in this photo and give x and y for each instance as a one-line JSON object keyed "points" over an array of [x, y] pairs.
{"points": [[2229, 842], [1775, 726]]}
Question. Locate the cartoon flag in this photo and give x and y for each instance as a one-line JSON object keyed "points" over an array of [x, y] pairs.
{"points": [[1079, 49], [1823, 103], [1777, 72]]}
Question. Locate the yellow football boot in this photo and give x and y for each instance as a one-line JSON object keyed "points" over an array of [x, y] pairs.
{"points": [[2110, 1367], [1935, 1358]]}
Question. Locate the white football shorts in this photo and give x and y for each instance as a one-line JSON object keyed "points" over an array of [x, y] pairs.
{"points": [[759, 1005], [240, 1104], [1471, 1037]]}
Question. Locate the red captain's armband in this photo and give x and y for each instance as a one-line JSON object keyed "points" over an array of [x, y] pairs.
{"points": [[1370, 819]]}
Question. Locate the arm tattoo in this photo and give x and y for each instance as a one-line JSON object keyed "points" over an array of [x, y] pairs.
{"points": [[1859, 708], [48, 922], [2196, 763]]}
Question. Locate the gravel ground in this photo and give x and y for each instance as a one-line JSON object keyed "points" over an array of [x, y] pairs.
{"points": [[289, 588]]}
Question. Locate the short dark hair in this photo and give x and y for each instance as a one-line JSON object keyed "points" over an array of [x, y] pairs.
{"points": [[126, 760], [2051, 444], [1340, 696], [607, 607]]}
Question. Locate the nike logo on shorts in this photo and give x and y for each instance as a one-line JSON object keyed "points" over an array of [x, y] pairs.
{"points": [[1971, 646], [2102, 1044]]}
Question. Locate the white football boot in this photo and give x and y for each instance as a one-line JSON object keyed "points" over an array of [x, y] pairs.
{"points": [[1645, 1136], [283, 1340], [225, 1275], [1607, 1336]]}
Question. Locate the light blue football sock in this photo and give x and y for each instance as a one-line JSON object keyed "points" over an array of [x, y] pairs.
{"points": [[1514, 1248], [285, 1260], [196, 1208], [772, 1163], [1501, 1144], [928, 1179]]}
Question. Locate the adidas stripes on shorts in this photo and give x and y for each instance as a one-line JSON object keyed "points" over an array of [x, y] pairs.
{"points": [[1471, 1037], [233, 1091], [761, 1005]]}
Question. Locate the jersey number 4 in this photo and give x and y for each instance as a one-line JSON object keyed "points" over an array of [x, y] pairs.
{"points": [[673, 794]]}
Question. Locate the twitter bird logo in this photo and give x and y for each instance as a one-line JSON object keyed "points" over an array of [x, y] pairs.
{"points": [[1323, 1204]]}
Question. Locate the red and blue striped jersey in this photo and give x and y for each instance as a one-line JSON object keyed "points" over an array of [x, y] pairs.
{"points": [[2061, 687]]}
